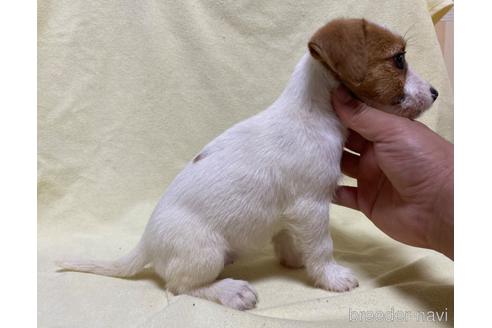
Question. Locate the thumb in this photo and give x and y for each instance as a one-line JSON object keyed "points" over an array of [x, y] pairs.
{"points": [[369, 122]]}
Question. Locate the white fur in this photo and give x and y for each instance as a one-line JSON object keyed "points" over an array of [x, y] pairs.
{"points": [[272, 175], [417, 97], [417, 94]]}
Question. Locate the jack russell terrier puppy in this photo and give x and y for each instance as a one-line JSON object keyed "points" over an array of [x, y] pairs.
{"points": [[271, 177]]}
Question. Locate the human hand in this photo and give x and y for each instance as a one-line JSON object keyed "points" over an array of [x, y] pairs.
{"points": [[404, 175]]}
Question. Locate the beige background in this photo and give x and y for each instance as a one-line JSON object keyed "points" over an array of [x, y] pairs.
{"points": [[129, 91], [445, 35]]}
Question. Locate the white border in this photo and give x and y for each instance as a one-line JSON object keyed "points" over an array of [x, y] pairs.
{"points": [[473, 166], [18, 163], [473, 124]]}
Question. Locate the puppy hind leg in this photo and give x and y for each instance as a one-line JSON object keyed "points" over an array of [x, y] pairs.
{"points": [[196, 276], [236, 294]]}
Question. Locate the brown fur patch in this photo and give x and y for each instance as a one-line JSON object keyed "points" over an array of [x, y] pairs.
{"points": [[361, 55], [198, 157]]}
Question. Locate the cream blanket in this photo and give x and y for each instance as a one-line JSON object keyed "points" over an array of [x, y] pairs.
{"points": [[130, 90]]}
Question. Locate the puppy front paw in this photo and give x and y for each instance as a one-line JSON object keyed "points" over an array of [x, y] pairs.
{"points": [[337, 278]]}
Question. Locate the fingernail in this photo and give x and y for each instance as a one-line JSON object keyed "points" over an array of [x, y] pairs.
{"points": [[343, 94]]}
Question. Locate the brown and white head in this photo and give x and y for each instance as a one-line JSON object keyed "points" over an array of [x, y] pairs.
{"points": [[370, 61]]}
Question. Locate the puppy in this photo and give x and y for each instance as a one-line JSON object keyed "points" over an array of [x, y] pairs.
{"points": [[271, 177]]}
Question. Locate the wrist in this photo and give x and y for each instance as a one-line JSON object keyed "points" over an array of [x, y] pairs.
{"points": [[441, 237]]}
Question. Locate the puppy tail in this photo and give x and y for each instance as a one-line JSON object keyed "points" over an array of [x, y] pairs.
{"points": [[126, 266]]}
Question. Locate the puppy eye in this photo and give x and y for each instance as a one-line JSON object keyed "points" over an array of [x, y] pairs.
{"points": [[398, 100], [399, 60]]}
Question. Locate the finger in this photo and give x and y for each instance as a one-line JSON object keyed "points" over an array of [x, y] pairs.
{"points": [[350, 164], [355, 142], [370, 123], [346, 196]]}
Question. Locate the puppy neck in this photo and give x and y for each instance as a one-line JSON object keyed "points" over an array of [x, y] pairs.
{"points": [[310, 86]]}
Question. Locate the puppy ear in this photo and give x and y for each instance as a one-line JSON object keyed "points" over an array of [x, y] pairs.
{"points": [[341, 44]]}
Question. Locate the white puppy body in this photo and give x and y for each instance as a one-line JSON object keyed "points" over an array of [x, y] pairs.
{"points": [[272, 175]]}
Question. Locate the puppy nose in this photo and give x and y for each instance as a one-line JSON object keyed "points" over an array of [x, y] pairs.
{"points": [[434, 93]]}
